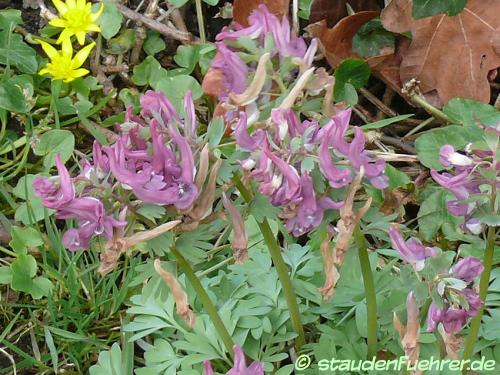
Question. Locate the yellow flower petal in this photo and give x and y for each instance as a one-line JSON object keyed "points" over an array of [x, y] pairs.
{"points": [[65, 34], [80, 72], [71, 4], [81, 56], [57, 22], [93, 27], [80, 4], [44, 71], [67, 48], [50, 51], [60, 6], [80, 37]]}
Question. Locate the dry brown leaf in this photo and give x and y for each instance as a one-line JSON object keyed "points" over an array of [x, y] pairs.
{"points": [[243, 8], [336, 45], [394, 199], [180, 297], [451, 56], [334, 10]]}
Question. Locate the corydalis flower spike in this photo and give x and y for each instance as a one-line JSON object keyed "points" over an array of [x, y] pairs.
{"points": [[289, 173], [156, 102], [239, 368], [239, 244], [253, 91], [181, 300]]}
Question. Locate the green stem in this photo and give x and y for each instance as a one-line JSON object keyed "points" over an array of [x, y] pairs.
{"points": [[436, 113], [281, 268], [201, 22], [483, 291], [205, 299], [370, 295]]}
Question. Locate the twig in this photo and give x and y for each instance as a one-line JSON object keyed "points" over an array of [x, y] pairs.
{"points": [[398, 143], [377, 102], [411, 89], [176, 18], [155, 25], [419, 127]]}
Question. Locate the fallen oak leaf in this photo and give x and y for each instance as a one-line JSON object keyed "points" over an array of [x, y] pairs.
{"points": [[449, 56], [243, 8]]}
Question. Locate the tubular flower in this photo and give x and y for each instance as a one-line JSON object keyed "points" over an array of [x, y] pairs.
{"points": [[412, 251], [62, 64], [76, 18], [240, 367]]}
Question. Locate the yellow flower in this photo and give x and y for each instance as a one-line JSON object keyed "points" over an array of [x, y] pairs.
{"points": [[77, 19], [62, 64]]}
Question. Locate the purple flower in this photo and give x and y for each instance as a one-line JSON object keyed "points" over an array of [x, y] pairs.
{"points": [[374, 171], [261, 23], [454, 319], [434, 316], [473, 300], [246, 141], [310, 211], [158, 178], [448, 157], [233, 69], [467, 269], [412, 251], [336, 177], [456, 184], [240, 367], [55, 195], [289, 188], [156, 102]]}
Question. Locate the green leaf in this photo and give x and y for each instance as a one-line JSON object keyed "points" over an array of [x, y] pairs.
{"points": [[151, 211], [109, 362], [122, 43], [469, 112], [110, 20], [23, 270], [361, 320], [372, 38], [187, 57], [211, 2], [178, 3], [429, 144], [427, 8], [261, 208], [13, 50], [215, 131], [396, 177], [350, 95], [24, 190], [305, 9], [433, 214], [148, 71], [353, 71], [22, 238], [16, 94], [154, 43], [53, 142], [5, 275]]}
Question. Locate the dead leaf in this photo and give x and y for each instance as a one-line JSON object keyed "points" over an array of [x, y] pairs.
{"points": [[336, 45], [334, 11], [181, 300], [449, 55], [394, 199], [243, 8]]}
